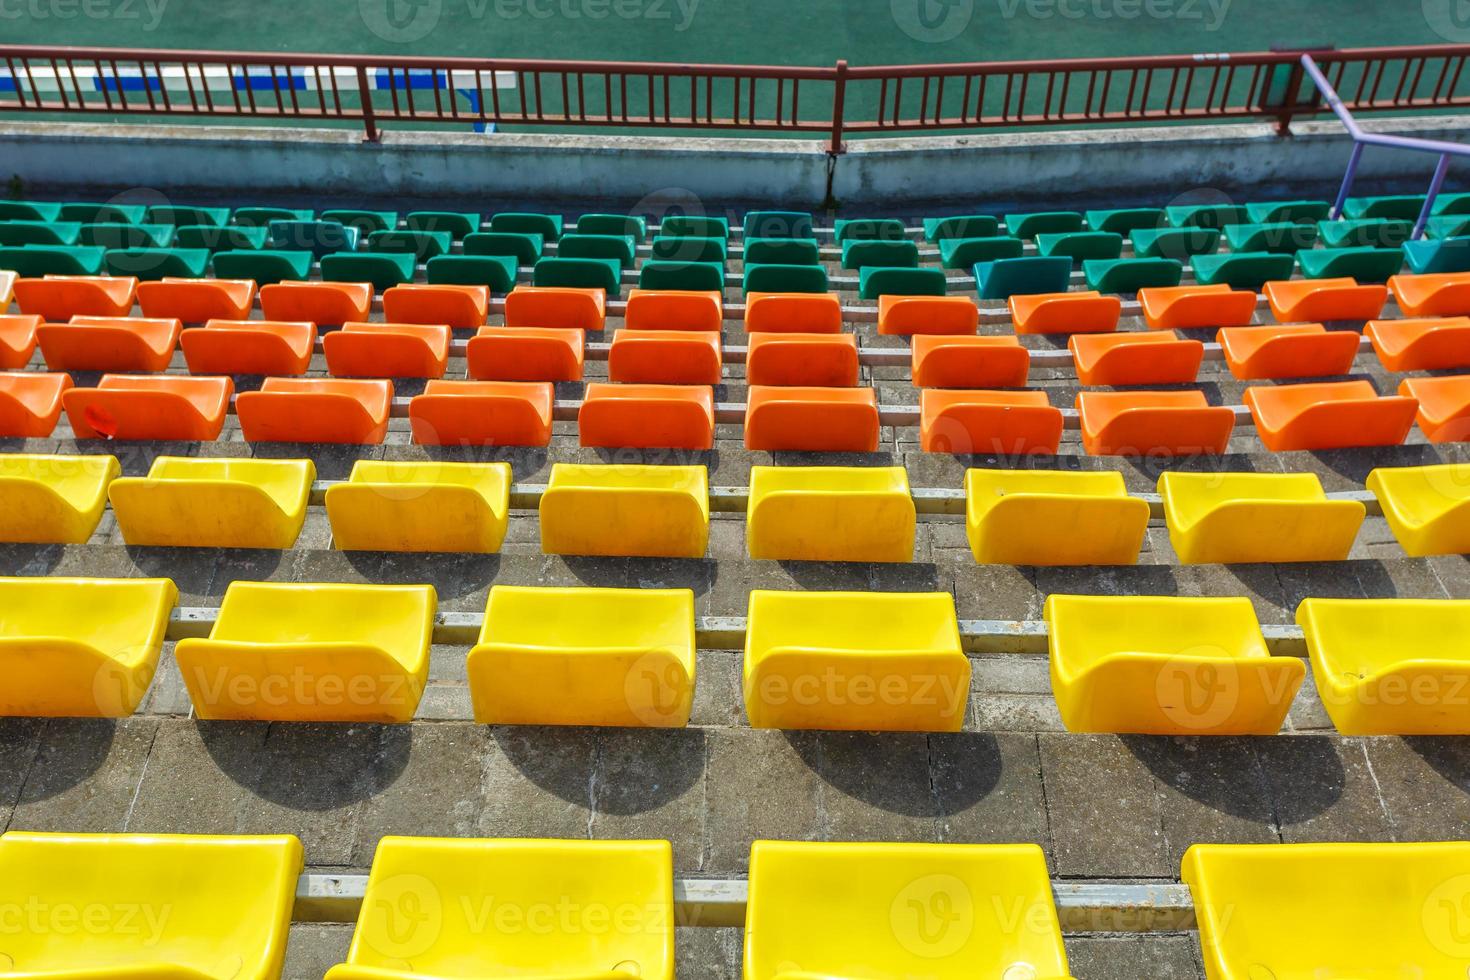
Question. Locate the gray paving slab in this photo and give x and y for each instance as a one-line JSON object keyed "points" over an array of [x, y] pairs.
{"points": [[20, 739], [1161, 957], [1104, 809], [1323, 789], [437, 793], [759, 786], [85, 776]]}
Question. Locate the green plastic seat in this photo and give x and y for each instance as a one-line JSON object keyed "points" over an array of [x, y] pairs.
{"points": [[694, 226], [29, 211], [173, 214], [1403, 206], [1124, 220], [157, 263], [875, 281], [579, 245], [118, 234], [1362, 264], [265, 266], [591, 273], [963, 253], [1242, 270], [690, 248], [1204, 215], [1131, 274], [31, 261], [457, 223], [366, 222], [525, 246], [97, 213], [869, 230], [40, 232], [1173, 243], [776, 278], [613, 224], [548, 226], [961, 226], [1443, 204], [422, 245], [1271, 212], [259, 217], [229, 238], [679, 274], [782, 251], [1438, 255], [318, 237], [1365, 232], [860, 254], [777, 224], [499, 272], [1275, 236], [1448, 226], [1003, 278], [1034, 223], [383, 269], [1080, 245]]}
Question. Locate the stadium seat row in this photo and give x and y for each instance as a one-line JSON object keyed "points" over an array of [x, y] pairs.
{"points": [[221, 907], [865, 661]]}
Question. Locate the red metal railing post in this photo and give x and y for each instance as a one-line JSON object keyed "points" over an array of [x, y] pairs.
{"points": [[839, 107], [1289, 100], [369, 122]]}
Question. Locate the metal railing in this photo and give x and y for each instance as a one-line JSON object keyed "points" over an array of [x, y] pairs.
{"points": [[837, 102]]}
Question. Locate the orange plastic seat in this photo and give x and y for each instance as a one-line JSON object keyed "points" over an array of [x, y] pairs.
{"points": [[1135, 358], [1437, 294], [927, 315], [1444, 406], [106, 343], [466, 307], [674, 309], [1299, 350], [823, 360], [1316, 300], [125, 406], [834, 420], [59, 298], [327, 304], [1079, 312], [268, 347], [30, 403], [17, 340], [556, 306], [482, 413], [969, 362], [988, 422], [671, 357], [526, 354], [792, 313], [387, 350], [1331, 415], [1421, 344], [1192, 307], [198, 300], [316, 410], [647, 416], [1152, 423]]}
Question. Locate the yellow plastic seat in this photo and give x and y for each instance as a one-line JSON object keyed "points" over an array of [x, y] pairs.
{"points": [[1391, 666], [650, 511], [1053, 517], [1315, 911], [585, 657], [7, 288], [197, 502], [1160, 665], [937, 911], [155, 907], [53, 499], [302, 652], [830, 513], [1256, 517], [856, 661], [1426, 507], [465, 909], [421, 506], [80, 647]]}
